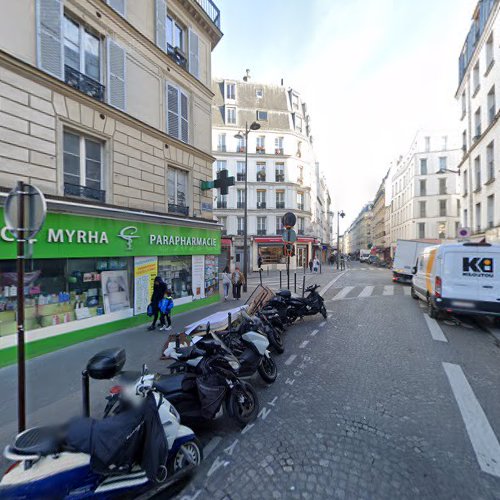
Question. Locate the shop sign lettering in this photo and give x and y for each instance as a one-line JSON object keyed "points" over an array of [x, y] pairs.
{"points": [[76, 236], [158, 239]]}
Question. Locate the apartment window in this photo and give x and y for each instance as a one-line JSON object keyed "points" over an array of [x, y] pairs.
{"points": [[279, 172], [259, 93], [457, 227], [300, 225], [464, 104], [278, 146], [442, 208], [240, 197], [295, 101], [280, 199], [442, 230], [240, 145], [300, 201], [477, 173], [261, 144], [491, 211], [177, 113], [423, 187], [279, 225], [240, 225], [490, 160], [298, 123], [442, 185], [261, 225], [444, 144], [423, 166], [422, 209], [262, 116], [230, 115], [443, 163], [300, 177], [177, 185], [231, 91], [477, 123], [466, 218], [489, 53], [175, 34], [221, 165], [458, 208], [83, 169], [464, 141], [421, 230], [240, 170], [222, 203], [261, 199], [261, 171], [466, 181], [491, 105], [221, 143], [427, 144], [478, 217], [475, 78]]}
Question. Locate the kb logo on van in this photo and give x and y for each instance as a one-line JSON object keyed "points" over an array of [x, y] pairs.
{"points": [[478, 267]]}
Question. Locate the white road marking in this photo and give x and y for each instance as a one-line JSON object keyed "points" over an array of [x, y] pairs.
{"points": [[290, 360], [322, 323], [407, 290], [343, 292], [211, 445], [301, 346], [435, 329], [329, 285], [481, 435], [388, 290], [314, 332], [366, 292]]}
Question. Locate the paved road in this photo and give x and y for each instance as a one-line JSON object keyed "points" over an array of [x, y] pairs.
{"points": [[377, 402]]}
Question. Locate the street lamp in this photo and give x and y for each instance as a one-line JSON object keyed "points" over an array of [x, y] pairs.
{"points": [[340, 213], [241, 135]]}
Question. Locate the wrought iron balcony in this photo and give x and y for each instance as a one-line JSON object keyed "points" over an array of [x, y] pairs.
{"points": [[300, 232], [280, 204], [280, 178], [279, 231], [240, 232], [260, 149], [261, 232], [221, 148], [222, 204], [178, 209], [240, 177], [261, 177], [84, 192], [83, 83], [211, 10], [177, 56], [300, 206], [279, 151], [261, 204], [240, 204]]}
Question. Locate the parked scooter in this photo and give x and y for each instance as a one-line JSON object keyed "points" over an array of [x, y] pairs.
{"points": [[75, 460], [279, 305], [311, 304], [264, 324]]}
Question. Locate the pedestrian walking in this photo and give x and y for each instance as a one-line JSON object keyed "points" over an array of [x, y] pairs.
{"points": [[259, 262], [166, 305], [311, 265], [159, 289], [315, 265], [226, 282], [237, 279]]}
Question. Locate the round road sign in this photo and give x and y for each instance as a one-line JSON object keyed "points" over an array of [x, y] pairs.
{"points": [[289, 236], [34, 209], [289, 220]]}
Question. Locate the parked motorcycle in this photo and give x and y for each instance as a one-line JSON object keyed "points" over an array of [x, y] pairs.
{"points": [[311, 304], [279, 305], [103, 459], [266, 324]]}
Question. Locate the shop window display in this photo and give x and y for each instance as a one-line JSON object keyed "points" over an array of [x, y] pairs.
{"points": [[272, 254], [211, 276], [177, 273]]}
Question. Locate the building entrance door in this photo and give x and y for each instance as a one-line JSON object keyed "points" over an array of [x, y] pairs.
{"points": [[301, 256]]}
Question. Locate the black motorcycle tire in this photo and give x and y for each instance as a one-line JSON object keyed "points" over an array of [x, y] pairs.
{"points": [[275, 340], [243, 414], [292, 316], [323, 311], [176, 463], [268, 370]]}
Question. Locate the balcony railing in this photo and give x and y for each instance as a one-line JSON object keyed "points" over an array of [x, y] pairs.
{"points": [[280, 204], [240, 149], [279, 231], [261, 177], [240, 204], [178, 209], [260, 149], [83, 83], [240, 177], [240, 232], [278, 151], [84, 192], [300, 206], [261, 204], [280, 178], [177, 56], [221, 148], [261, 232], [211, 10], [300, 232], [222, 204]]}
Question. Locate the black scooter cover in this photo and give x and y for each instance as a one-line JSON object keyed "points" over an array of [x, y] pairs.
{"points": [[118, 442]]}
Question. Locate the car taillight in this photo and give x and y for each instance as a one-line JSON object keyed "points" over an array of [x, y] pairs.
{"points": [[438, 289], [116, 389]]}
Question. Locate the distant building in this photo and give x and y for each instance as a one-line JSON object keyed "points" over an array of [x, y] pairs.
{"points": [[477, 94], [425, 201], [360, 230], [381, 243], [283, 174]]}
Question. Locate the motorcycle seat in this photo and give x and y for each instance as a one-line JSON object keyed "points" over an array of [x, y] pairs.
{"points": [[191, 352], [167, 384], [286, 294], [43, 441]]}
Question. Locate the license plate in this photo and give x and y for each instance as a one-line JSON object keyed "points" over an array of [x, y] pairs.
{"points": [[466, 305]]}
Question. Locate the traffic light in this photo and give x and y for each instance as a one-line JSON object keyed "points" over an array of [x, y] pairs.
{"points": [[289, 250]]}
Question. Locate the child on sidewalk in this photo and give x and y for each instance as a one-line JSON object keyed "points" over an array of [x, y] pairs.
{"points": [[166, 306]]}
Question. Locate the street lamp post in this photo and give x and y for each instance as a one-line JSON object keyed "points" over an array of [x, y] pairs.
{"points": [[240, 135], [340, 213]]}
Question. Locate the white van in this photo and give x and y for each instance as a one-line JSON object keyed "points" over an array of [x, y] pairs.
{"points": [[364, 255], [459, 278]]}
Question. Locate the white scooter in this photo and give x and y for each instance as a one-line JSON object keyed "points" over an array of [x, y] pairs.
{"points": [[43, 468]]}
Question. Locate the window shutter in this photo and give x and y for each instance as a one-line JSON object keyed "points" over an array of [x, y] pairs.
{"points": [[172, 111], [184, 118], [118, 5], [116, 75], [194, 50], [161, 20], [49, 15]]}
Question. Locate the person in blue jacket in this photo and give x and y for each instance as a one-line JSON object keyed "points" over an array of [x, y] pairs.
{"points": [[166, 306]]}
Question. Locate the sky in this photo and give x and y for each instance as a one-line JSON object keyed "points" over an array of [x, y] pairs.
{"points": [[372, 73]]}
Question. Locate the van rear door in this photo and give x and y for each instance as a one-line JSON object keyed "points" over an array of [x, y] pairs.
{"points": [[472, 272]]}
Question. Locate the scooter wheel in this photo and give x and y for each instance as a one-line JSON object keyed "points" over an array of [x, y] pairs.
{"points": [[268, 370], [275, 340], [179, 461], [243, 403]]}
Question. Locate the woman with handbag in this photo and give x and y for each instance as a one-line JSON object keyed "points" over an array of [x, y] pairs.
{"points": [[237, 279], [159, 289]]}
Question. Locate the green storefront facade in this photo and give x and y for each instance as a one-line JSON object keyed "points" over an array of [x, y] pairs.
{"points": [[91, 275]]}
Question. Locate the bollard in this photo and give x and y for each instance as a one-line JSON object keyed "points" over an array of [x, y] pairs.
{"points": [[320, 268], [280, 279], [260, 276], [295, 282], [303, 285], [268, 270], [229, 321], [86, 393]]}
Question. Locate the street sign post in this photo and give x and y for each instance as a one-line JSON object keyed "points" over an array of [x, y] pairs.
{"points": [[289, 220], [25, 211], [289, 237], [463, 233]]}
